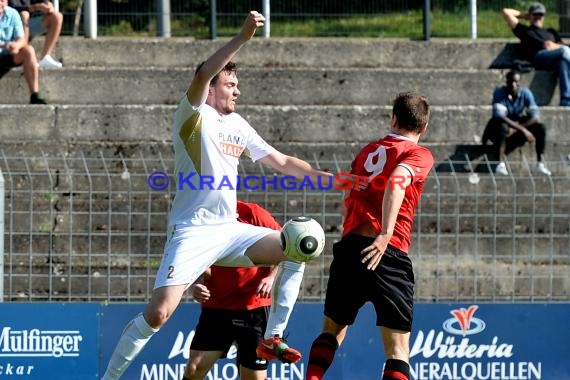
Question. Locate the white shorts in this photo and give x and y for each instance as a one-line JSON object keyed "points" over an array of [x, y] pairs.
{"points": [[190, 250]]}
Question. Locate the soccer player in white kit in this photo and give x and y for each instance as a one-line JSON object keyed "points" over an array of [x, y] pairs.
{"points": [[209, 137]]}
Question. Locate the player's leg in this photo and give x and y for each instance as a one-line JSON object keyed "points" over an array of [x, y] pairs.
{"points": [[248, 335], [139, 330], [392, 283], [199, 363], [177, 271], [345, 296], [212, 339], [286, 286], [324, 348], [253, 245], [397, 351]]}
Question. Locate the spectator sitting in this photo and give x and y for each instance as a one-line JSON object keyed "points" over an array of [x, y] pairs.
{"points": [[40, 17], [515, 121], [14, 51], [543, 47]]}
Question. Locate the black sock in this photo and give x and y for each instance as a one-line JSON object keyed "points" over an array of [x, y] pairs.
{"points": [[396, 370], [321, 356]]}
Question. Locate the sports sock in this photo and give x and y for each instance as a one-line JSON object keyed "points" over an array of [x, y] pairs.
{"points": [[133, 339], [396, 370], [321, 356], [284, 293]]}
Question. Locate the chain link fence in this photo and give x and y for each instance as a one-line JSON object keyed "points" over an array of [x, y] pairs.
{"points": [[90, 228], [309, 18]]}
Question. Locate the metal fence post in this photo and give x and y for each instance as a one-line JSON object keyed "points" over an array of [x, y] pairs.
{"points": [[427, 15], [473, 14], [1, 236], [267, 13], [213, 30], [163, 7], [90, 12]]}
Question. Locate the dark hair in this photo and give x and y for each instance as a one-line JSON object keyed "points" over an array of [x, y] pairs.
{"points": [[511, 75], [411, 111], [230, 67]]}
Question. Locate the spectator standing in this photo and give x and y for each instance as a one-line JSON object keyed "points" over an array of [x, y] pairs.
{"points": [[543, 47], [40, 17], [15, 51], [515, 121], [235, 305]]}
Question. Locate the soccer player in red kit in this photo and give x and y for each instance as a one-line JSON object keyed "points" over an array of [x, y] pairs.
{"points": [[235, 304], [370, 262]]}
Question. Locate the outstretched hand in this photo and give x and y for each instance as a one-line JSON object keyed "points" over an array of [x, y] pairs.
{"points": [[253, 21]]}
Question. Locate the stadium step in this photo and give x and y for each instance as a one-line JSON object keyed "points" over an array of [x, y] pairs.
{"points": [[275, 86]]}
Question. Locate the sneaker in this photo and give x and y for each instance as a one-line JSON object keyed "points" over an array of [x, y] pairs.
{"points": [[37, 98], [541, 168], [501, 169], [48, 62], [276, 348]]}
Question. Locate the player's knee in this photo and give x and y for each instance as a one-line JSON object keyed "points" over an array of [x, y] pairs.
{"points": [[157, 317]]}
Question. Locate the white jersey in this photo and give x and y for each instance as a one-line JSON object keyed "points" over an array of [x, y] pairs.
{"points": [[207, 147]]}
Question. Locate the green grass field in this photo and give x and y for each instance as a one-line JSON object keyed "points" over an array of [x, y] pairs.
{"points": [[392, 25]]}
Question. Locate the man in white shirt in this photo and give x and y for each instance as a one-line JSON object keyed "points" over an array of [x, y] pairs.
{"points": [[209, 137]]}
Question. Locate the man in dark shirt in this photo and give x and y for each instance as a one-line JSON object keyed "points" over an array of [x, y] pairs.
{"points": [[542, 46]]}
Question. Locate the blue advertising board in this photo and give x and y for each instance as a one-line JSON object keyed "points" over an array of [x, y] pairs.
{"points": [[49, 341], [476, 342], [491, 341], [449, 341]]}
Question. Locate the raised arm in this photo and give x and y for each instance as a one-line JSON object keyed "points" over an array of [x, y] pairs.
{"points": [[512, 16], [198, 90]]}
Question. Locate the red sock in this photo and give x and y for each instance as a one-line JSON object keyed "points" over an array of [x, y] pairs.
{"points": [[396, 370], [321, 356]]}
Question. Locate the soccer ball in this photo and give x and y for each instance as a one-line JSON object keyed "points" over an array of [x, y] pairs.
{"points": [[302, 239]]}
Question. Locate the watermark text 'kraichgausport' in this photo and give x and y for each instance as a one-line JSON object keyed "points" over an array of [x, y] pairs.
{"points": [[341, 181]]}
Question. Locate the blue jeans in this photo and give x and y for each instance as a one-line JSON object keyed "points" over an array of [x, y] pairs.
{"points": [[556, 60]]}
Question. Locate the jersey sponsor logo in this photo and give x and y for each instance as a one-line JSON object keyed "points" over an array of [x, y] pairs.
{"points": [[230, 144]]}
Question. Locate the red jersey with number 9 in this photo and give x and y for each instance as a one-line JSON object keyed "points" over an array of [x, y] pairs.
{"points": [[377, 162]]}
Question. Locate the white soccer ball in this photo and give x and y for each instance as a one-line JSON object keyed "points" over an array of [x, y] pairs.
{"points": [[302, 239]]}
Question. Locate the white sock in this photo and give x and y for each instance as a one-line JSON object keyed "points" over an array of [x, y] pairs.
{"points": [[285, 291], [133, 339]]}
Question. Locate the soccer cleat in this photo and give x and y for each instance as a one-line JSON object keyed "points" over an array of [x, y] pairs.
{"points": [[276, 348], [501, 169], [48, 62], [541, 168]]}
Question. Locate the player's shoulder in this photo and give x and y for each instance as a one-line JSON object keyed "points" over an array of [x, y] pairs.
{"points": [[238, 120]]}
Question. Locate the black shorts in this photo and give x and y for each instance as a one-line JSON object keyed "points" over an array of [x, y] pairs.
{"points": [[390, 287], [217, 329], [7, 62]]}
